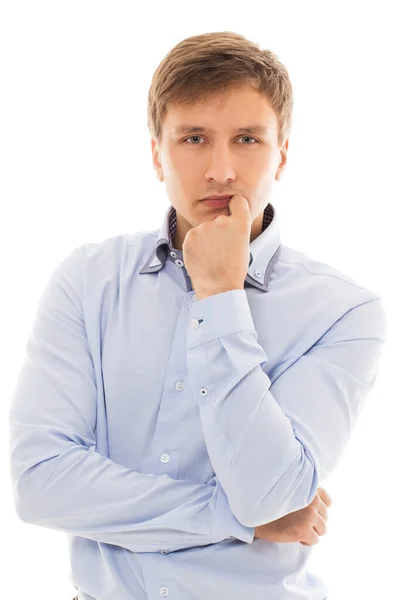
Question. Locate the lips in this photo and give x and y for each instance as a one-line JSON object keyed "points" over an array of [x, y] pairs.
{"points": [[217, 203], [218, 197]]}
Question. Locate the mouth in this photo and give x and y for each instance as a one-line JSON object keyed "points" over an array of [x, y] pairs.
{"points": [[216, 202]]}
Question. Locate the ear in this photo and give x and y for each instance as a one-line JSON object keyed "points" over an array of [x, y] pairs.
{"points": [[282, 164], [156, 160]]}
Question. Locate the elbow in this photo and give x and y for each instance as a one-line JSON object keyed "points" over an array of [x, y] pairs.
{"points": [[294, 490], [29, 495], [23, 501]]}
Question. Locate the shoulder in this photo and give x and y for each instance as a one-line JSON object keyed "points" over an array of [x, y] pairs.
{"points": [[318, 273]]}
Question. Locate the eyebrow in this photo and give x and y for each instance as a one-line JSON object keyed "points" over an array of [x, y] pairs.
{"points": [[192, 128]]}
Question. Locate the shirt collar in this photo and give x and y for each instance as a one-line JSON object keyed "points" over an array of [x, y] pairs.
{"points": [[264, 249]]}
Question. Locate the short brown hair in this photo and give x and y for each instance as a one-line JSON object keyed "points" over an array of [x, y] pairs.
{"points": [[204, 64]]}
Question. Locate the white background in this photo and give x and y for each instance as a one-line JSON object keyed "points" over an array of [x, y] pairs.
{"points": [[76, 167]]}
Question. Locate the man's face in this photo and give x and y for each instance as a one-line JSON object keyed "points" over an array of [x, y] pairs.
{"points": [[219, 160]]}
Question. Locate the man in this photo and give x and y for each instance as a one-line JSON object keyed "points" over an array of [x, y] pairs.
{"points": [[187, 389]]}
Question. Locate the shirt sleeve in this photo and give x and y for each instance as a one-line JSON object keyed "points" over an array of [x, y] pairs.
{"points": [[271, 445], [59, 480]]}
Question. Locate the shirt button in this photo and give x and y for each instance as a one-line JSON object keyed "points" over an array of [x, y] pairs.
{"points": [[164, 591], [194, 323], [164, 551], [173, 254], [179, 262], [203, 392], [179, 385], [164, 457]]}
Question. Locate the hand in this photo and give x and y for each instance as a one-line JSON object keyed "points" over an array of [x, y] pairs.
{"points": [[304, 526], [216, 253]]}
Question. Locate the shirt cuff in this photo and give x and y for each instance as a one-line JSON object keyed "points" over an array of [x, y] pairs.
{"points": [[225, 525], [223, 314]]}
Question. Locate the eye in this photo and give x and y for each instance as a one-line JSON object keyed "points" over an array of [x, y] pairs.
{"points": [[200, 137], [191, 138], [250, 138]]}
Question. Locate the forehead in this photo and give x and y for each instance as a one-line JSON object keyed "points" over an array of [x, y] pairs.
{"points": [[239, 106]]}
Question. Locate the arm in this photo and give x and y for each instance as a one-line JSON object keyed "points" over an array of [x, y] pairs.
{"points": [[304, 525], [278, 441], [59, 480]]}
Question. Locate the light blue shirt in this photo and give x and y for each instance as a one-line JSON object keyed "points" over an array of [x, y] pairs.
{"points": [[157, 430]]}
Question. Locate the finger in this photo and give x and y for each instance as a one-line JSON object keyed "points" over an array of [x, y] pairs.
{"points": [[312, 538], [324, 496], [322, 509], [320, 525]]}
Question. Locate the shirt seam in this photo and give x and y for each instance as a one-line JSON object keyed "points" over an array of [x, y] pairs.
{"points": [[359, 287]]}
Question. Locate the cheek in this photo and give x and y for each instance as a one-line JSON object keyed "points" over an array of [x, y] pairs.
{"points": [[179, 165], [188, 175]]}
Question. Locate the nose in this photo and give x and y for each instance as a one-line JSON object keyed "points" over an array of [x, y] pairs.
{"points": [[220, 168]]}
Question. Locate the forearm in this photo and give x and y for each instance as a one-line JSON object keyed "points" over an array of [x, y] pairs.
{"points": [[83, 493]]}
